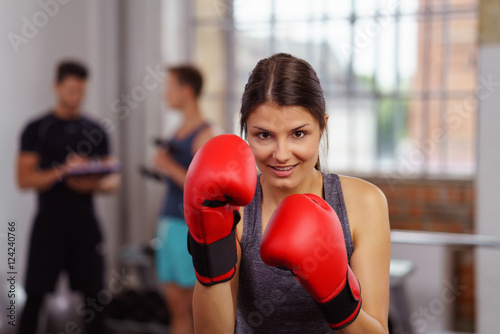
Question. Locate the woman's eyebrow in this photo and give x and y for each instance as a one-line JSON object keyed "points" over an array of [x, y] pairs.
{"points": [[297, 128], [261, 129], [292, 130]]}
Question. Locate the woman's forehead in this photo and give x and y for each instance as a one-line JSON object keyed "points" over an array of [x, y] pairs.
{"points": [[273, 117]]}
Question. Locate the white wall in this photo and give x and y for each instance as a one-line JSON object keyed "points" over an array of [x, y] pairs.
{"points": [[488, 193], [174, 50], [141, 121]]}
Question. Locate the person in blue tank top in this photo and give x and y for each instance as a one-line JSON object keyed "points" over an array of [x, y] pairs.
{"points": [[173, 263], [283, 117]]}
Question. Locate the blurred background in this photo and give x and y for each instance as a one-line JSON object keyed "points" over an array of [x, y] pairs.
{"points": [[411, 89]]}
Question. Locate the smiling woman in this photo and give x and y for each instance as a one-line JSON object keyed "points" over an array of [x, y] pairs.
{"points": [[291, 100], [285, 141], [299, 219]]}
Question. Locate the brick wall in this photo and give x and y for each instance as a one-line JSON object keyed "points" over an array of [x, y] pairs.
{"points": [[438, 206]]}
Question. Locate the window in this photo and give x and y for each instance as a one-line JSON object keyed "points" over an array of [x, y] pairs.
{"points": [[399, 76]]}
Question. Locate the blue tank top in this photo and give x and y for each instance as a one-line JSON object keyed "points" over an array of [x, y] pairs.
{"points": [[181, 152], [271, 300]]}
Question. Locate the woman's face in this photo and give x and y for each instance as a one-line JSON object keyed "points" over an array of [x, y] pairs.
{"points": [[285, 142]]}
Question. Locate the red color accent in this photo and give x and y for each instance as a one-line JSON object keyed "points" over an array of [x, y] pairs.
{"points": [[346, 321]]}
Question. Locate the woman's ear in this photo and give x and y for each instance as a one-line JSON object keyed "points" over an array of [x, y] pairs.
{"points": [[326, 122]]}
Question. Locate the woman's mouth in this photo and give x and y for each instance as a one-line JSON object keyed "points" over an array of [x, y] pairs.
{"points": [[283, 171]]}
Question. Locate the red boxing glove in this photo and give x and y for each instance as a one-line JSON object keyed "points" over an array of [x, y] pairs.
{"points": [[304, 235], [221, 177]]}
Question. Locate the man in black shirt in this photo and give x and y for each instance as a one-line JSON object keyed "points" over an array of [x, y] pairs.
{"points": [[66, 233]]}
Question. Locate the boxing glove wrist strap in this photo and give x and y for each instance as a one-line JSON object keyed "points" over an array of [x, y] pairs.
{"points": [[215, 259], [342, 310]]}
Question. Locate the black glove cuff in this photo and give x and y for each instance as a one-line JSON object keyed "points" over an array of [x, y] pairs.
{"points": [[215, 259], [343, 309]]}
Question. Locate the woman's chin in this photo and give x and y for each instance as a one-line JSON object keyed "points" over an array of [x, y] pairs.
{"points": [[282, 183]]}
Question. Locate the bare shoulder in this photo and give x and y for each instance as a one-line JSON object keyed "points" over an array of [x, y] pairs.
{"points": [[203, 136], [360, 191], [366, 206]]}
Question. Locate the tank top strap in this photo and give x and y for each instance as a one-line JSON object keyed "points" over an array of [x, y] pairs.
{"points": [[252, 217], [202, 127], [195, 132], [333, 195]]}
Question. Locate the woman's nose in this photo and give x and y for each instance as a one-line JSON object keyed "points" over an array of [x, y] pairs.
{"points": [[282, 152]]}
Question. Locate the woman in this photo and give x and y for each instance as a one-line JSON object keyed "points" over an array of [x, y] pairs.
{"points": [[283, 116]]}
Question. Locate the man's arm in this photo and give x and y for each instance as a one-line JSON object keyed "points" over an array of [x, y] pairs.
{"points": [[86, 184], [110, 182], [175, 171], [166, 165], [30, 176]]}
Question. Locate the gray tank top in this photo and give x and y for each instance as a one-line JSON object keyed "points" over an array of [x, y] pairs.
{"points": [[271, 300]]}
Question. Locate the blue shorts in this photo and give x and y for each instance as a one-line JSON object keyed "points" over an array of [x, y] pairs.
{"points": [[173, 261]]}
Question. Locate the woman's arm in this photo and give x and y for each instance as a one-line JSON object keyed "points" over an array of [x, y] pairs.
{"points": [[211, 221], [214, 307], [369, 220]]}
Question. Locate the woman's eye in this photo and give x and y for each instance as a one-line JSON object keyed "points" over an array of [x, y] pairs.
{"points": [[299, 134], [263, 135]]}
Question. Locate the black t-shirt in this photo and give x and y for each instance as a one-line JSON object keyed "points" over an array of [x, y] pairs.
{"points": [[53, 139]]}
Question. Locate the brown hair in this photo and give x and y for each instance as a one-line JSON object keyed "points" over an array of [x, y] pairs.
{"points": [[284, 80], [71, 68], [190, 76]]}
